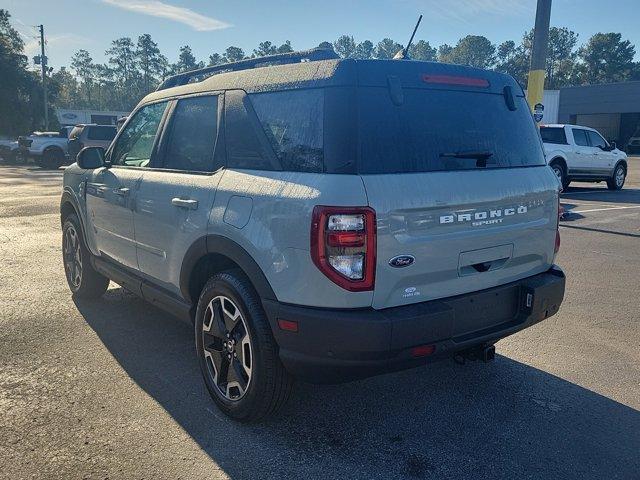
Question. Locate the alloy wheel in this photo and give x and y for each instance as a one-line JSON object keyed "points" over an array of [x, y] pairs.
{"points": [[620, 174], [72, 256], [227, 348]]}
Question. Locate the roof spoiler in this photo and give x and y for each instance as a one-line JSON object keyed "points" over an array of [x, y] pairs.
{"points": [[313, 55]]}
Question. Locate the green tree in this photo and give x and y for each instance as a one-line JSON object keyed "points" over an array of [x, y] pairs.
{"points": [[150, 61], [387, 48], [285, 47], [364, 50], [21, 90], [264, 49], [326, 45], [606, 58], [444, 51], [83, 65], [234, 54], [186, 61], [122, 59], [514, 60], [67, 86], [216, 59], [473, 50], [423, 51], [345, 46]]}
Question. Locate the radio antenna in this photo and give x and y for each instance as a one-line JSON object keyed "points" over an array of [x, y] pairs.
{"points": [[404, 53]]}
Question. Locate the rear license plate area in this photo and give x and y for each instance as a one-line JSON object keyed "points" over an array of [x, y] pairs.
{"points": [[485, 310]]}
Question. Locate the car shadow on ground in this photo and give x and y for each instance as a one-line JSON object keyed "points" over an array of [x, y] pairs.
{"points": [[501, 420], [597, 193]]}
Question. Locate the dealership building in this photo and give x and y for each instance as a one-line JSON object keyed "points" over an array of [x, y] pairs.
{"points": [[613, 109]]}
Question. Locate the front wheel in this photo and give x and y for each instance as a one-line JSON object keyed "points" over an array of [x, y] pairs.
{"points": [[619, 176], [236, 350], [83, 280]]}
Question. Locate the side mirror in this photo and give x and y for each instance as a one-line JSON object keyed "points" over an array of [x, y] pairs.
{"points": [[91, 158], [613, 145]]}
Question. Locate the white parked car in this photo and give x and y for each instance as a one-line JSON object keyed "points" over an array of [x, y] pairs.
{"points": [[582, 154], [47, 149]]}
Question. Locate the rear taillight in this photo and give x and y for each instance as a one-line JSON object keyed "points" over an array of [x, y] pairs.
{"points": [[343, 245]]}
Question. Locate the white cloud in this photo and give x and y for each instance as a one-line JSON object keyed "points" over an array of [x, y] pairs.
{"points": [[156, 8], [466, 10], [68, 40]]}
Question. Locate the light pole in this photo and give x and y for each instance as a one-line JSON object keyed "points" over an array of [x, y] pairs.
{"points": [[43, 65], [535, 82]]}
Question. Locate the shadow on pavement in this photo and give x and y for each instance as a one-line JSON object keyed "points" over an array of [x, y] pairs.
{"points": [[502, 420], [601, 230], [602, 194]]}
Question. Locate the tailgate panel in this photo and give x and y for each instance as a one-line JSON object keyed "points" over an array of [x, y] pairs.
{"points": [[505, 218]]}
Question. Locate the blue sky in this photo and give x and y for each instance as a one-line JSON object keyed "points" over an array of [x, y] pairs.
{"points": [[212, 25]]}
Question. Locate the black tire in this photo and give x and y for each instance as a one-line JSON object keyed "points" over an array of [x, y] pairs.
{"points": [[267, 385], [616, 182], [52, 159], [561, 172], [84, 282]]}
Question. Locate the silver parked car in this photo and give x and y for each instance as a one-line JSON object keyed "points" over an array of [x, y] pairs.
{"points": [[90, 135]]}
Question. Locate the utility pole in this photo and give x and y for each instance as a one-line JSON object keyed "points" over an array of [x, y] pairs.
{"points": [[535, 83], [43, 65]]}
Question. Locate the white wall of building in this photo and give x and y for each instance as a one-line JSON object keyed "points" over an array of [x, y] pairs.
{"points": [[551, 102], [73, 117]]}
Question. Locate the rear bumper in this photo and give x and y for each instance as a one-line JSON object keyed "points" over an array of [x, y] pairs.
{"points": [[333, 345]]}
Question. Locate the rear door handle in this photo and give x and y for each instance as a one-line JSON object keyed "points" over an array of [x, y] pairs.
{"points": [[185, 203], [123, 192]]}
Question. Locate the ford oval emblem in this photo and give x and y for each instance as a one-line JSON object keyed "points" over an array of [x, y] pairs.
{"points": [[402, 261]]}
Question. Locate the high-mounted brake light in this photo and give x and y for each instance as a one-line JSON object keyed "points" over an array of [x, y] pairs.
{"points": [[343, 245], [452, 80]]}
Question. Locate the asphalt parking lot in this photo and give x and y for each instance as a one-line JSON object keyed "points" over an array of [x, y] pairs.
{"points": [[111, 389]]}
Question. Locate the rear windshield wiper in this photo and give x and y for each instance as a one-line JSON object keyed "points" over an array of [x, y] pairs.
{"points": [[479, 157]]}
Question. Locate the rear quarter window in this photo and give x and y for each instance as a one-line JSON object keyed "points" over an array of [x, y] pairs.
{"points": [[293, 122], [553, 135], [101, 133], [580, 137]]}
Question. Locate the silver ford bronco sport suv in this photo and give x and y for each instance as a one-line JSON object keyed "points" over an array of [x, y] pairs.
{"points": [[321, 218]]}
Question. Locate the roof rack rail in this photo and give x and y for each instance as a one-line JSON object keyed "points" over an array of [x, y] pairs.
{"points": [[313, 55]]}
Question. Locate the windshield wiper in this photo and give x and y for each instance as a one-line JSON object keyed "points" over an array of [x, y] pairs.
{"points": [[479, 157]]}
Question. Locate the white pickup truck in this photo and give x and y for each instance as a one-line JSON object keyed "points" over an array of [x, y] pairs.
{"points": [[47, 149], [582, 154]]}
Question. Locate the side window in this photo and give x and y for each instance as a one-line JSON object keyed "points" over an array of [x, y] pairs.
{"points": [[580, 137], [293, 122], [101, 133], [596, 139], [134, 145], [194, 128]]}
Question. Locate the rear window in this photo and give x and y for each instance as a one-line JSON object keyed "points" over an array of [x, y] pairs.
{"points": [[553, 135], [431, 127], [101, 133], [293, 122]]}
